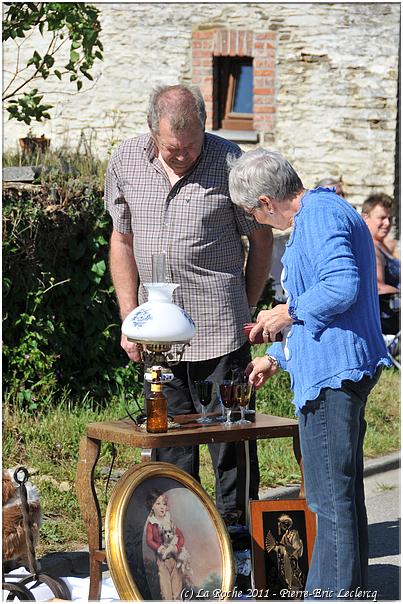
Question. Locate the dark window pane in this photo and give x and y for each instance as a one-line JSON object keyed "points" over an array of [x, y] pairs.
{"points": [[243, 95]]}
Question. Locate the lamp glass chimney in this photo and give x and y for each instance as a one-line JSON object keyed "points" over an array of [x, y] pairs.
{"points": [[159, 268]]}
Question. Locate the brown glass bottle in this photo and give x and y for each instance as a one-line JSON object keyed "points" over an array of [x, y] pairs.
{"points": [[156, 405]]}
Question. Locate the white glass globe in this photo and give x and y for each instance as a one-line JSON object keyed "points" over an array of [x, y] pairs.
{"points": [[159, 319]]}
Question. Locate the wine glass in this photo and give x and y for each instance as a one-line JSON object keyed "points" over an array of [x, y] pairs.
{"points": [[223, 416], [242, 394], [204, 389], [227, 399]]}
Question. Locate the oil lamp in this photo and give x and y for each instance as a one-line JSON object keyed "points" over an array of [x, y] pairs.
{"points": [[159, 324]]}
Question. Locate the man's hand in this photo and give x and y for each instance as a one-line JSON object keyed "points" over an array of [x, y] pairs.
{"points": [[260, 370], [132, 349], [270, 322]]}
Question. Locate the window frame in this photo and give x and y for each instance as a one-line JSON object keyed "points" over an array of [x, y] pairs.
{"points": [[224, 83]]}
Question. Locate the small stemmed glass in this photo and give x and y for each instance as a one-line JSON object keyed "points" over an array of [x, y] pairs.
{"points": [[242, 394], [204, 389], [223, 416], [227, 399]]}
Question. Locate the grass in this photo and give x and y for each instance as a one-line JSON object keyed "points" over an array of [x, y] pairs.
{"points": [[381, 487], [48, 445]]}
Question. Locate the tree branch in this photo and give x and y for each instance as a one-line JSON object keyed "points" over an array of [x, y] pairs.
{"points": [[34, 76], [17, 70]]}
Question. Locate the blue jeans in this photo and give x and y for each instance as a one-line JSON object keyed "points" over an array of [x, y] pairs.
{"points": [[332, 429]]}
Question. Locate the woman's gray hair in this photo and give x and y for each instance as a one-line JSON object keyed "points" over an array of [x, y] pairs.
{"points": [[261, 172], [180, 104], [325, 182]]}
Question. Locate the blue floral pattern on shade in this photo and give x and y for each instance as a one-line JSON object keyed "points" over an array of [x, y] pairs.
{"points": [[188, 317], [140, 318]]}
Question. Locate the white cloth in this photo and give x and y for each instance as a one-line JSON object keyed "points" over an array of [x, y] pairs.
{"points": [[78, 588]]}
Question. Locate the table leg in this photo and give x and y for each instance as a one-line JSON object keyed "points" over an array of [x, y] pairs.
{"points": [[90, 510], [247, 483], [298, 457]]}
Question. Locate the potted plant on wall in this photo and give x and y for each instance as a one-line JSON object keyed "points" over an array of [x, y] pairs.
{"points": [[32, 143]]}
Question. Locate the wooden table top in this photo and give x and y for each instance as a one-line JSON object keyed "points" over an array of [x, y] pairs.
{"points": [[190, 432]]}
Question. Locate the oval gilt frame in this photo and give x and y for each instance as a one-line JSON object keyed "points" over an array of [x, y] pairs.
{"points": [[125, 523]]}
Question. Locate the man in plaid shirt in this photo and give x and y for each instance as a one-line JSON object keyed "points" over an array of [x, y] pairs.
{"points": [[167, 191]]}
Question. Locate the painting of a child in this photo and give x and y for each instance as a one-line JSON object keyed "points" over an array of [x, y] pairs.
{"points": [[167, 541]]}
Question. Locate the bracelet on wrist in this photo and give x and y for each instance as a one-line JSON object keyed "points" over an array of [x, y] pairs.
{"points": [[273, 360], [252, 310], [292, 313]]}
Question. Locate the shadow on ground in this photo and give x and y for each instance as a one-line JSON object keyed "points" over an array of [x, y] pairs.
{"points": [[384, 541], [385, 580]]}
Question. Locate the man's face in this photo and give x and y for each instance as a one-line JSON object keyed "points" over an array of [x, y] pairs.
{"points": [[379, 222], [179, 150]]}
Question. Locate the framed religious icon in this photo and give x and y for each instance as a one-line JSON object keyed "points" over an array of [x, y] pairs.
{"points": [[165, 539], [283, 533]]}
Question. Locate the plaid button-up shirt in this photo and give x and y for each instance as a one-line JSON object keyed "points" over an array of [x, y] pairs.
{"points": [[197, 226]]}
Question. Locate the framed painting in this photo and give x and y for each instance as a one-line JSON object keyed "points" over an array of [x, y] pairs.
{"points": [[282, 533], [165, 539]]}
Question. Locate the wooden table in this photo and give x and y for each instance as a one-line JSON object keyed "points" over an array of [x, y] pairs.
{"points": [[125, 432]]}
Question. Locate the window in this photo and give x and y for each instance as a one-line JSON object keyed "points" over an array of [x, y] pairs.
{"points": [[235, 70], [233, 93]]}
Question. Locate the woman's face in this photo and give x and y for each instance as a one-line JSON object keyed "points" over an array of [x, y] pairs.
{"points": [[274, 213], [160, 507], [379, 222]]}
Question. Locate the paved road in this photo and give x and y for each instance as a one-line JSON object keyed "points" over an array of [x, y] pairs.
{"points": [[384, 513]]}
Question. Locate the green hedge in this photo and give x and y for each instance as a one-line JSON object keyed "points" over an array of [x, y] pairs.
{"points": [[61, 327]]}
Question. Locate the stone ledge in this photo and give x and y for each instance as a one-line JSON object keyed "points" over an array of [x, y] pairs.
{"points": [[21, 173], [239, 136]]}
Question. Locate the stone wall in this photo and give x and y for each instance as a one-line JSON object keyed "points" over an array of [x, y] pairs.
{"points": [[334, 82]]}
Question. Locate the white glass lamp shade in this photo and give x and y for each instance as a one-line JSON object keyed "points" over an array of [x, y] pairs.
{"points": [[159, 320]]}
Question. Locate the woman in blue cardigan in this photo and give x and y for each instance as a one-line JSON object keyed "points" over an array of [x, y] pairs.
{"points": [[332, 348]]}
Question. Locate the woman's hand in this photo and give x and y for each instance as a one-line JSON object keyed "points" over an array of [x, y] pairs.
{"points": [[270, 322], [260, 370], [132, 349]]}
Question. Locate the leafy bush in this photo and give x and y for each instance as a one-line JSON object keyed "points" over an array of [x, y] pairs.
{"points": [[61, 327]]}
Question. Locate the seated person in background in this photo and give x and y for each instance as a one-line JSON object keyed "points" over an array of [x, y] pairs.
{"points": [[376, 211], [332, 182]]}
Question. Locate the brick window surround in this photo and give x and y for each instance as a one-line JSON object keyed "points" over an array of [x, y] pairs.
{"points": [[210, 43]]}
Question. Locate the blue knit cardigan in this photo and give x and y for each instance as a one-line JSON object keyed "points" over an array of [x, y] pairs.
{"points": [[330, 278]]}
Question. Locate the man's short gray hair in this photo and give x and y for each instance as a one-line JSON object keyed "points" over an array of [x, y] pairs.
{"points": [[180, 104], [261, 172]]}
